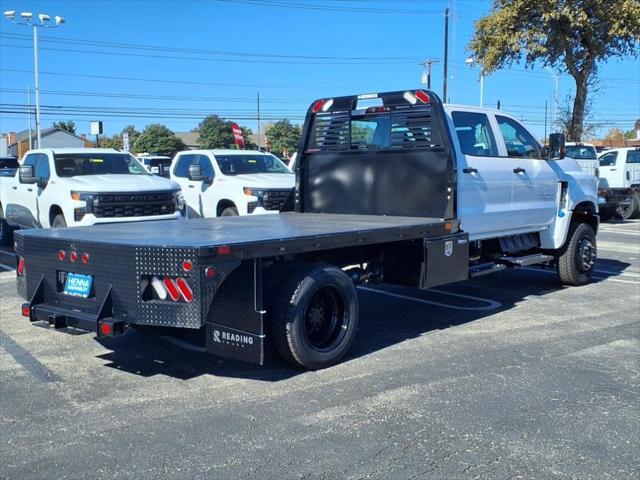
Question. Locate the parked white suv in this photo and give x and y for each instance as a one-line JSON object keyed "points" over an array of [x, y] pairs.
{"points": [[62, 187], [218, 183]]}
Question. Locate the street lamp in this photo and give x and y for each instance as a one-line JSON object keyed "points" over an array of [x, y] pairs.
{"points": [[470, 61], [26, 18]]}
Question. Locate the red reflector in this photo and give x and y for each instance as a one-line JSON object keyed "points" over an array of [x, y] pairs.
{"points": [[224, 250], [422, 96], [317, 106], [185, 289], [172, 290], [61, 255], [85, 258], [73, 256], [106, 328], [21, 266], [187, 265], [210, 272], [26, 311]]}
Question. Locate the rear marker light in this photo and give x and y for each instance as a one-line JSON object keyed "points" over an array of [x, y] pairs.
{"points": [[224, 250], [106, 328], [73, 256], [156, 283], [85, 258], [327, 105], [422, 96], [21, 266], [187, 265], [317, 106], [172, 290], [26, 311], [410, 97], [61, 255], [210, 272], [185, 289]]}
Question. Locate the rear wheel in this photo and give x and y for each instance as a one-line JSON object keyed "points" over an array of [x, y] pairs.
{"points": [[630, 210], [636, 213], [229, 212], [59, 221], [315, 314], [577, 259]]}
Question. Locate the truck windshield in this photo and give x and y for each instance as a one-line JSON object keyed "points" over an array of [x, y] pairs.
{"points": [[248, 164], [75, 164], [581, 152]]}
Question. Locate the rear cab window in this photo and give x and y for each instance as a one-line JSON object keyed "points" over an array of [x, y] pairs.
{"points": [[581, 152], [633, 156], [474, 134]]}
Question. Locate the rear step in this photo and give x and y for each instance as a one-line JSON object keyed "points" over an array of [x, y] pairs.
{"points": [[504, 262]]}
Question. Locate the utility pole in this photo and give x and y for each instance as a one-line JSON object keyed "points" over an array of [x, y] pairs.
{"points": [[446, 54], [258, 116], [426, 79], [29, 114]]}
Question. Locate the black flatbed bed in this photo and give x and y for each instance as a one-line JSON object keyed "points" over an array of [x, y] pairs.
{"points": [[255, 235]]}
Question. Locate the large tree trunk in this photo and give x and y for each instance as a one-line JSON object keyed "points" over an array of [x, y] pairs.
{"points": [[579, 103]]}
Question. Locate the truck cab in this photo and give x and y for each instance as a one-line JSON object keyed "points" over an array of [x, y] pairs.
{"points": [[221, 182], [620, 177]]}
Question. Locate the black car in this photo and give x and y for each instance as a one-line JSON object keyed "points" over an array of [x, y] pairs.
{"points": [[8, 166]]}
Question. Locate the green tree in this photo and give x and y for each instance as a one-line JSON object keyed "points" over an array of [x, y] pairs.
{"points": [[283, 137], [67, 126], [565, 116], [158, 139], [569, 35], [215, 132]]}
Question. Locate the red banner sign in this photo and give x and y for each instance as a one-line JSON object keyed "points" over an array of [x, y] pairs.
{"points": [[237, 135]]}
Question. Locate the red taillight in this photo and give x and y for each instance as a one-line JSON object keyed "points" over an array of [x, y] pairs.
{"points": [[21, 266], [317, 106], [26, 311], [224, 250], [185, 289], [85, 258], [106, 328], [187, 265], [62, 255], [171, 288], [422, 96], [210, 272], [73, 256]]}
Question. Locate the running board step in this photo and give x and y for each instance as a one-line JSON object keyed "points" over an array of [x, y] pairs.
{"points": [[526, 260], [485, 269]]}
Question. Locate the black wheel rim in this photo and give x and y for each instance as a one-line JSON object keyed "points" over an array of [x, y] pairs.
{"points": [[325, 319], [586, 254]]}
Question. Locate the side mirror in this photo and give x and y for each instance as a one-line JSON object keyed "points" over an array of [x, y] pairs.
{"points": [[556, 146], [195, 174], [26, 174]]}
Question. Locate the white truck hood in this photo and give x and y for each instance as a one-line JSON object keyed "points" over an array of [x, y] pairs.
{"points": [[120, 183], [264, 180]]}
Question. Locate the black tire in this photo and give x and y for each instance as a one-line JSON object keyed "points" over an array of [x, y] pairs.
{"points": [[636, 212], [59, 221], [229, 212], [315, 316], [631, 210], [6, 233], [577, 258]]}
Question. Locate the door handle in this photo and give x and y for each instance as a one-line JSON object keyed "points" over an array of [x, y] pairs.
{"points": [[191, 186], [519, 170], [470, 170], [29, 189], [14, 187]]}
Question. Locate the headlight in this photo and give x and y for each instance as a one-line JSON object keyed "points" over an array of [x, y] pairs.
{"points": [[88, 198], [252, 192]]}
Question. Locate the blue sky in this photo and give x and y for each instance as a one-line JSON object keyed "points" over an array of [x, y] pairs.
{"points": [[184, 59]]}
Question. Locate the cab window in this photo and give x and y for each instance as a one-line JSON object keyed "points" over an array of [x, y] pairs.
{"points": [[41, 168], [633, 156], [182, 165], [519, 142], [205, 166], [474, 134], [608, 159]]}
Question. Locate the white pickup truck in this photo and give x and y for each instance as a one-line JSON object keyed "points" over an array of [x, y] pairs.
{"points": [[73, 187], [220, 183], [620, 177]]}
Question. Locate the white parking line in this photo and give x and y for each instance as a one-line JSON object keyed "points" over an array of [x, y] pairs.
{"points": [[622, 232], [626, 274], [491, 304], [617, 280]]}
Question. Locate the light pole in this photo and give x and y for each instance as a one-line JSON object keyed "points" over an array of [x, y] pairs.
{"points": [[470, 61], [27, 19]]}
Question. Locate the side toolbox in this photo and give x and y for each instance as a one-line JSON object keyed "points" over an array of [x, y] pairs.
{"points": [[446, 260]]}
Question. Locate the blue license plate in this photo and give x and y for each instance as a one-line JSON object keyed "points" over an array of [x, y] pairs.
{"points": [[78, 285]]}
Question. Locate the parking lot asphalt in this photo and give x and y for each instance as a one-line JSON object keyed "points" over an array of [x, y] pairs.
{"points": [[507, 376]]}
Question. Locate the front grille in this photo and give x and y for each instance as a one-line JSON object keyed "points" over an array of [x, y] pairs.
{"points": [[274, 199], [120, 205]]}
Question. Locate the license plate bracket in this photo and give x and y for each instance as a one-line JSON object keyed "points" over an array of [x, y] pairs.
{"points": [[78, 285]]}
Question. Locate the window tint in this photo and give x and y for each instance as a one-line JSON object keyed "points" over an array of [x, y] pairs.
{"points": [[182, 165], [633, 156], [31, 159], [42, 167], [608, 159], [77, 164], [250, 163], [580, 152], [205, 166], [519, 142], [474, 134]]}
